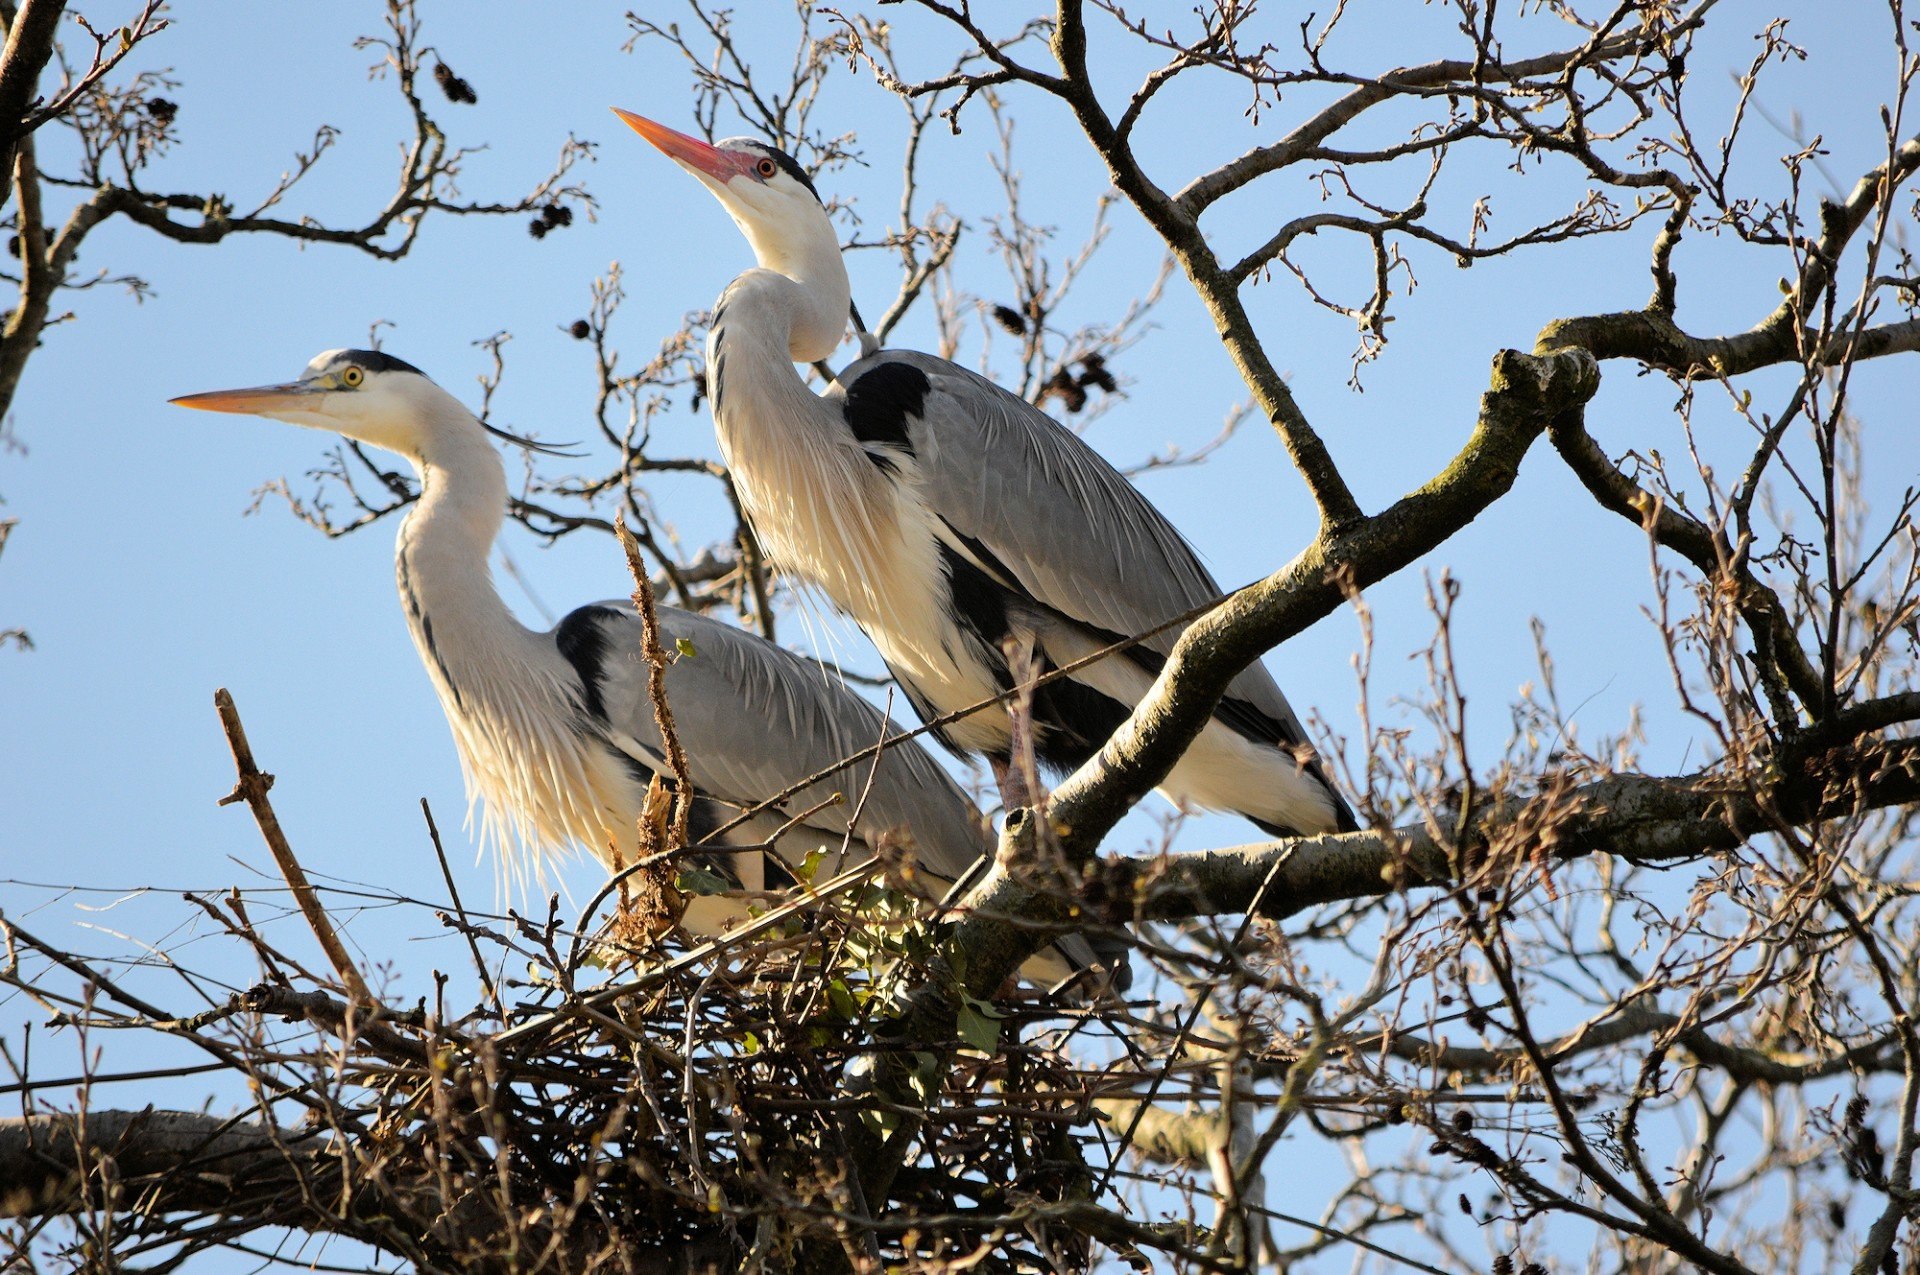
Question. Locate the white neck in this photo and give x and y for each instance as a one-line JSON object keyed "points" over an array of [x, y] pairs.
{"points": [[510, 698], [815, 497], [445, 584], [819, 310], [751, 351]]}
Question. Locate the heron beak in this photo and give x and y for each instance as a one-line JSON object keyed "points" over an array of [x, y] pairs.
{"points": [[261, 400], [689, 152]]}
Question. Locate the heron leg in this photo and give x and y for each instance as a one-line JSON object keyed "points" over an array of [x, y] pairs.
{"points": [[1016, 792], [1019, 773]]}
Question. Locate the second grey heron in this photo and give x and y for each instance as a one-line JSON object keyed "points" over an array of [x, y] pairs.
{"points": [[955, 522], [555, 730]]}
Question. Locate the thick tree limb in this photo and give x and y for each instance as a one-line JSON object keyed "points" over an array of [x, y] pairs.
{"points": [[1636, 817], [175, 1161], [30, 33], [1526, 395]]}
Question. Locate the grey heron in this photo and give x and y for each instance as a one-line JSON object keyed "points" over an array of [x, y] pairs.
{"points": [[956, 523], [555, 730]]}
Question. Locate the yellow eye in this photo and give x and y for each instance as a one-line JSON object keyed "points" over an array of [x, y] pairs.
{"points": [[766, 167], [351, 377]]}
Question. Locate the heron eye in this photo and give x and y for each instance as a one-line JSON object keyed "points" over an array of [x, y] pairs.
{"points": [[766, 167], [351, 378]]}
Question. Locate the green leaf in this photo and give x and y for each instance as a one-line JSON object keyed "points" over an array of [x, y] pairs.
{"points": [[840, 999], [684, 647], [880, 1124], [810, 865], [701, 881], [924, 1076], [979, 1024]]}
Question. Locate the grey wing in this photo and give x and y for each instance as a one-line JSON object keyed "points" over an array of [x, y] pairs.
{"points": [[1028, 500], [755, 719]]}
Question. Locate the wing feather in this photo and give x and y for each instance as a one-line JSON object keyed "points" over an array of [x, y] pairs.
{"points": [[1049, 510], [755, 719]]}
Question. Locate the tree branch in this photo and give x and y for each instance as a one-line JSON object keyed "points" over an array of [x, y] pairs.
{"points": [[30, 33], [1640, 818], [175, 1161], [1526, 394], [1653, 338]]}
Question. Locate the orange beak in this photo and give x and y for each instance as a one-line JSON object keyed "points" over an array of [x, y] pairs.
{"points": [[722, 166], [258, 401]]}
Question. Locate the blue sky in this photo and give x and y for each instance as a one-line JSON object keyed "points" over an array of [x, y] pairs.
{"points": [[146, 585]]}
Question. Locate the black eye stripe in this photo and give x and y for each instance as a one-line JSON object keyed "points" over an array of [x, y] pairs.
{"points": [[374, 361], [794, 170], [777, 157]]}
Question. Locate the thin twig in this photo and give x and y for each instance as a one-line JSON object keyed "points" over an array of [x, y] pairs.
{"points": [[657, 683], [251, 788]]}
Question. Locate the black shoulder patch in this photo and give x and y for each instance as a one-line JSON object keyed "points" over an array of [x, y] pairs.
{"points": [[880, 400], [376, 361], [583, 643]]}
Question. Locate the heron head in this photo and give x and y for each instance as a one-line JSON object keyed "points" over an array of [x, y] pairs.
{"points": [[769, 195], [772, 200], [363, 394]]}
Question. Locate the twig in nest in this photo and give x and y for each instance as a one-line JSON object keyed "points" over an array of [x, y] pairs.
{"points": [[657, 682], [655, 906], [252, 787]]}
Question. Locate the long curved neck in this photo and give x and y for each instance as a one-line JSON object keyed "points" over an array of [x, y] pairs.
{"points": [[510, 697], [751, 350], [455, 614], [815, 496], [819, 308]]}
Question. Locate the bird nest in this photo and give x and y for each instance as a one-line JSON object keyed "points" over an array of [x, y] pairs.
{"points": [[672, 1107]]}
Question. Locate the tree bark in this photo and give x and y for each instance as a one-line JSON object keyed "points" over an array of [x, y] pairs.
{"points": [[30, 32]]}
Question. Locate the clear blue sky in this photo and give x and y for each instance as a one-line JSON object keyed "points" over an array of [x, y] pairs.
{"points": [[145, 585]]}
